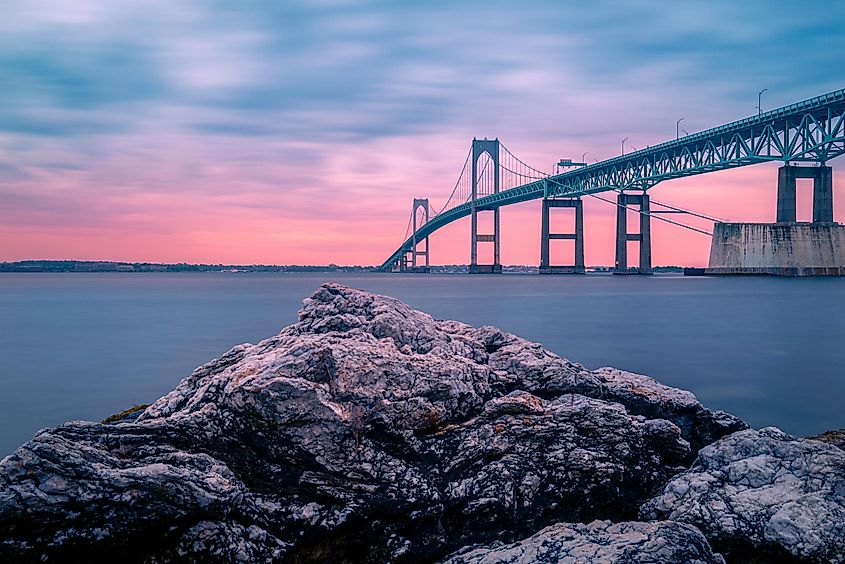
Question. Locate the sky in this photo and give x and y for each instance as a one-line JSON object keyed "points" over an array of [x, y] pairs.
{"points": [[257, 132]]}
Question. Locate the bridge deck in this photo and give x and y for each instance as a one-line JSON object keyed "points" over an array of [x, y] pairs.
{"points": [[812, 130]]}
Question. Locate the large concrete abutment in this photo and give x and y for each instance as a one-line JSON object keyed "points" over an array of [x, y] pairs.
{"points": [[822, 192], [546, 236], [622, 235], [785, 248], [779, 249]]}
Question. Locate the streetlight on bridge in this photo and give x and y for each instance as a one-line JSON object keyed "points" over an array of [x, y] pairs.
{"points": [[623, 145], [759, 100], [678, 128]]}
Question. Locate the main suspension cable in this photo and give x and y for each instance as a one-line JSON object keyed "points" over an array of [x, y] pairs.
{"points": [[540, 172], [520, 174], [408, 228], [701, 215], [458, 183], [691, 228]]}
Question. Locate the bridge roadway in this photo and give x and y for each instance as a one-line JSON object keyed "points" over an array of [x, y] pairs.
{"points": [[809, 131]]}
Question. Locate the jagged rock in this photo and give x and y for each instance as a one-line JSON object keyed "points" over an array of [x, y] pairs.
{"points": [[521, 364], [365, 431], [664, 542], [223, 541], [646, 396], [762, 496]]}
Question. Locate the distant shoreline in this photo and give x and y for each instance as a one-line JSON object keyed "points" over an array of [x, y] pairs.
{"points": [[132, 267], [118, 266]]}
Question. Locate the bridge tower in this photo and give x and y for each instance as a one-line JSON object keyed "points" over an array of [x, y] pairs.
{"points": [[822, 192], [417, 222], [479, 147], [550, 201], [641, 200]]}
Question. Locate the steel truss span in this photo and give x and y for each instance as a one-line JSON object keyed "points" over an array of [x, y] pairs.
{"points": [[808, 131]]}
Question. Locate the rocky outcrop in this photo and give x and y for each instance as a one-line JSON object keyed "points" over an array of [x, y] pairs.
{"points": [[365, 431], [762, 496], [646, 396], [665, 542], [368, 431], [523, 365]]}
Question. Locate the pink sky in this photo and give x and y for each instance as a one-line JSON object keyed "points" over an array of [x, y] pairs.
{"points": [[166, 131], [197, 225]]}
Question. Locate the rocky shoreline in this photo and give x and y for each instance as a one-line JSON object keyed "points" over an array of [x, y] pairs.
{"points": [[371, 432]]}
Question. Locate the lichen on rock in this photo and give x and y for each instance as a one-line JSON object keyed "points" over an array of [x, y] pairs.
{"points": [[835, 437]]}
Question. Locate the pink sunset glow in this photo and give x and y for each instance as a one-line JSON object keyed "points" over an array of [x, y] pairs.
{"points": [[187, 226], [212, 140]]}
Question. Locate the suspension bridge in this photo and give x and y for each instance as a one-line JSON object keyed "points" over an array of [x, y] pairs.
{"points": [[804, 136]]}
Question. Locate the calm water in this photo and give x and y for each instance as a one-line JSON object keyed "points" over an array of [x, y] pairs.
{"points": [[83, 346]]}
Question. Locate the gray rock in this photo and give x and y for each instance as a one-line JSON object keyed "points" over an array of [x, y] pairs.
{"points": [[664, 542], [521, 364], [223, 541], [365, 431], [646, 396], [762, 494]]}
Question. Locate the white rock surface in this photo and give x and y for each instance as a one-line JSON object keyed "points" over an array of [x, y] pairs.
{"points": [[762, 493], [663, 542]]}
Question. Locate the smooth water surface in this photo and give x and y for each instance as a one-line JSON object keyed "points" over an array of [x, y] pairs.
{"points": [[84, 346]]}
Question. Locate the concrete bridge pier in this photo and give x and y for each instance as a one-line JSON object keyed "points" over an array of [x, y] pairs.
{"points": [[546, 236], [822, 192], [643, 237]]}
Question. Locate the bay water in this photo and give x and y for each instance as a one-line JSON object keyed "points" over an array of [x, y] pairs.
{"points": [[86, 345]]}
